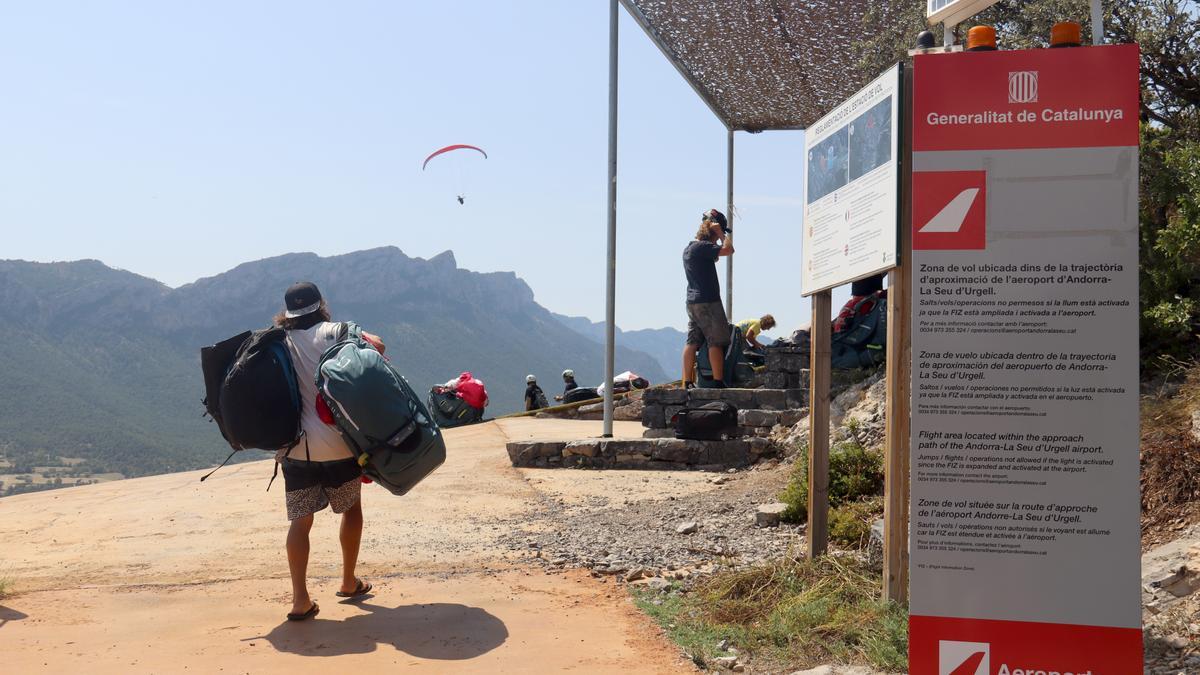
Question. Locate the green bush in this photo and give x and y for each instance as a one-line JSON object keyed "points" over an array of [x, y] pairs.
{"points": [[855, 473]]}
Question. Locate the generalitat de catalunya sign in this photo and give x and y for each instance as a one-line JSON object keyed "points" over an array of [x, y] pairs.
{"points": [[1025, 536]]}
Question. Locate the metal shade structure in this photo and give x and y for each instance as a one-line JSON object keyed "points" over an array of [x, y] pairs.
{"points": [[759, 64]]}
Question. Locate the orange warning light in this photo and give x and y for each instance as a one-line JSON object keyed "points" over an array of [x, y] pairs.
{"points": [[981, 39], [1066, 34]]}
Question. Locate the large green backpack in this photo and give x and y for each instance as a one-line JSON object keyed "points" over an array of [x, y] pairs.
{"points": [[379, 415]]}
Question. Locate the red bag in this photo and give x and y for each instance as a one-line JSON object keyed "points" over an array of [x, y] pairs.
{"points": [[471, 390], [323, 411]]}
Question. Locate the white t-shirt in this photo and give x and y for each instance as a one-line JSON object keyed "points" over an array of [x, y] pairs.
{"points": [[325, 443]]}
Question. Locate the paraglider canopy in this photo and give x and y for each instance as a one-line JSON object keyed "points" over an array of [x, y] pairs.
{"points": [[450, 148]]}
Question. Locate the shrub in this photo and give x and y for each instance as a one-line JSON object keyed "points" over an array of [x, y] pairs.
{"points": [[855, 473]]}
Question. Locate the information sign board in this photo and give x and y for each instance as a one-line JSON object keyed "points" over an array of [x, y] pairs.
{"points": [[1024, 543], [850, 206]]}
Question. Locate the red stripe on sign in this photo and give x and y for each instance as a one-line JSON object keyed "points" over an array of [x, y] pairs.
{"points": [[1084, 97], [935, 643]]}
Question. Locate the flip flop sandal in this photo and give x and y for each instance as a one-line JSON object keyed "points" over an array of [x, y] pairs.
{"points": [[312, 611], [362, 588]]}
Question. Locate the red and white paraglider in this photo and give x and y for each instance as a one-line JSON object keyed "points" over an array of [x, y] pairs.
{"points": [[453, 148]]}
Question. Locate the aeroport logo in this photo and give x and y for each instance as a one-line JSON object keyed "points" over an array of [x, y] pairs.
{"points": [[949, 210], [964, 658]]}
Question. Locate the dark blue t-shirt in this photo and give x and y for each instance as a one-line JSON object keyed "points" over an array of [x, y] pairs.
{"points": [[700, 266]]}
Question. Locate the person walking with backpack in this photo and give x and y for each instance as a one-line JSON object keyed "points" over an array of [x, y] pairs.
{"points": [[321, 470], [706, 316]]}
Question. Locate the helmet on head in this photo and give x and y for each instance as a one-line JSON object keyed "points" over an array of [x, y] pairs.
{"points": [[568, 373], [530, 379]]}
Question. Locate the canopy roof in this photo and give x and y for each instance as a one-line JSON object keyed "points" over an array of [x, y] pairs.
{"points": [[759, 64]]}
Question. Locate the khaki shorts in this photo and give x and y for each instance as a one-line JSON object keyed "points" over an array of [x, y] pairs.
{"points": [[707, 323]]}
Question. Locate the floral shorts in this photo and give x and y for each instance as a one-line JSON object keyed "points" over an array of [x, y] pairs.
{"points": [[311, 486]]}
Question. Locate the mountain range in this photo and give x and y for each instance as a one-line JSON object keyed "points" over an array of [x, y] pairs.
{"points": [[664, 344], [103, 364]]}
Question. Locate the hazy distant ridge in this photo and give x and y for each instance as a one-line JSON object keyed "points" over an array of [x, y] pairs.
{"points": [[664, 344]]}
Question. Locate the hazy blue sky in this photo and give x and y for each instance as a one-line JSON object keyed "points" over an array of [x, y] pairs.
{"points": [[177, 140]]}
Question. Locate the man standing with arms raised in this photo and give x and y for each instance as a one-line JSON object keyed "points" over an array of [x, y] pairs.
{"points": [[706, 316]]}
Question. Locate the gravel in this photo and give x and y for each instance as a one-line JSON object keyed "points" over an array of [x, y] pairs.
{"points": [[672, 537]]}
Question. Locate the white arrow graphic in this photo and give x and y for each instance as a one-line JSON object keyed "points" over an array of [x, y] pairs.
{"points": [[952, 215]]}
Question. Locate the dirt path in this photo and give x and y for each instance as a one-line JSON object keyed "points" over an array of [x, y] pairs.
{"points": [[165, 574]]}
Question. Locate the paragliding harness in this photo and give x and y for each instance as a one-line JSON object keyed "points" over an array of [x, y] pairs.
{"points": [[450, 410], [580, 394], [861, 341]]}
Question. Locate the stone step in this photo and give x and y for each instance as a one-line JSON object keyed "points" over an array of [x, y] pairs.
{"points": [[661, 404], [640, 453]]}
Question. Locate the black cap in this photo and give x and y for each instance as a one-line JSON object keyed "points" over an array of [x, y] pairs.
{"points": [[718, 218], [301, 298]]}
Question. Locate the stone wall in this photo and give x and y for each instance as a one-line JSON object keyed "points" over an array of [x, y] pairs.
{"points": [[787, 368], [759, 410], [660, 453]]}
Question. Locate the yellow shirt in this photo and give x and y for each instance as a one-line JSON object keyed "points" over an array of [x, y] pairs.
{"points": [[751, 328]]}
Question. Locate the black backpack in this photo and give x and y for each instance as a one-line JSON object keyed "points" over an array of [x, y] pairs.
{"points": [[712, 421], [251, 390]]}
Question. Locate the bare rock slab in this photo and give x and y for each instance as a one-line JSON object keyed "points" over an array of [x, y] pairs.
{"points": [[768, 515]]}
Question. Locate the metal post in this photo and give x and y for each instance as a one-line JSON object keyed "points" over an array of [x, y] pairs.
{"points": [[610, 263], [1097, 23], [729, 216]]}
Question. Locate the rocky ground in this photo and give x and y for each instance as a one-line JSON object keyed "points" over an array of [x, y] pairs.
{"points": [[673, 537], [661, 541], [1171, 616]]}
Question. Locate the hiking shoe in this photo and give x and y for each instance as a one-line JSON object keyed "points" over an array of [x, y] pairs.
{"points": [[719, 384], [689, 385]]}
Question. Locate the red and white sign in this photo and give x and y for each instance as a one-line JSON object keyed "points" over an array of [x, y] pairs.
{"points": [[1024, 538], [1017, 100], [949, 210]]}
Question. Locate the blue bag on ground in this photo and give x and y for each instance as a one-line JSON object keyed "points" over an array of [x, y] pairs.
{"points": [[379, 415]]}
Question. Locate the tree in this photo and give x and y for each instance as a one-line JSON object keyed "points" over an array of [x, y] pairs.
{"points": [[1168, 32]]}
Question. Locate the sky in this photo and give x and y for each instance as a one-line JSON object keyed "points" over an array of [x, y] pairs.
{"points": [[178, 140]]}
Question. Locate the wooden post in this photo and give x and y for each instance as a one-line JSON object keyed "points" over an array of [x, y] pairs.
{"points": [[818, 424], [899, 371]]}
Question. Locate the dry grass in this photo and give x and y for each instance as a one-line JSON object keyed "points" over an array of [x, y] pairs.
{"points": [[795, 612], [1170, 456]]}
